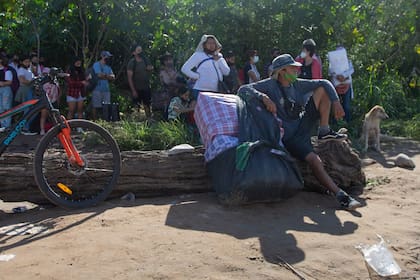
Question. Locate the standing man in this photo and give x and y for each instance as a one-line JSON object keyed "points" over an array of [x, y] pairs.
{"points": [[139, 69], [101, 93]]}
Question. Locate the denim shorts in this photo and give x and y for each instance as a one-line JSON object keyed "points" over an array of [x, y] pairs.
{"points": [[74, 99], [299, 145], [99, 97]]}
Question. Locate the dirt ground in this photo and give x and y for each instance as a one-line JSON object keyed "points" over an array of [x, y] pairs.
{"points": [[193, 237]]}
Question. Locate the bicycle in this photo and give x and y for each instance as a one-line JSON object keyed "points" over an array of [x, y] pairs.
{"points": [[77, 163]]}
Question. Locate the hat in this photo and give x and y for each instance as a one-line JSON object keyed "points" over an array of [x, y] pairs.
{"points": [[283, 61], [204, 38], [105, 54], [230, 54]]}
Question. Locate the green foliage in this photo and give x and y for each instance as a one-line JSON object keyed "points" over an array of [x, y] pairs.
{"points": [[150, 136], [380, 35], [408, 128]]}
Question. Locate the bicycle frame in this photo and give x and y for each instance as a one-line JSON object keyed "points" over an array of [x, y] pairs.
{"points": [[33, 107]]}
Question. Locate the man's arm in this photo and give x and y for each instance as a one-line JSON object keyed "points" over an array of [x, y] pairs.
{"points": [[247, 92]]}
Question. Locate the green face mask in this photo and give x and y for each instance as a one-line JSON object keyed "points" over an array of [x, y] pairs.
{"points": [[291, 78]]}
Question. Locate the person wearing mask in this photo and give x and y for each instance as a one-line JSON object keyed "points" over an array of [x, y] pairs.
{"points": [[139, 69], [25, 77], [300, 104], [311, 65], [101, 93], [53, 92], [251, 74], [232, 80], [206, 67], [76, 91]]}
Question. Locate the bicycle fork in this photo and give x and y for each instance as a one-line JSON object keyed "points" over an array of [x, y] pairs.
{"points": [[64, 136]]}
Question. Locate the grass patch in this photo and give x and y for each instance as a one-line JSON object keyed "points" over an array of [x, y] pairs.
{"points": [[143, 136]]}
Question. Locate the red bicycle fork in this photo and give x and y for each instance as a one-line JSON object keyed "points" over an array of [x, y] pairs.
{"points": [[71, 151]]}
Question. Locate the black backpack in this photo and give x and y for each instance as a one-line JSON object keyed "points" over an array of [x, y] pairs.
{"points": [[15, 81], [93, 82]]}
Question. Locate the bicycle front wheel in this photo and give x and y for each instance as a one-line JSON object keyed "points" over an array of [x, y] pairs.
{"points": [[70, 186]]}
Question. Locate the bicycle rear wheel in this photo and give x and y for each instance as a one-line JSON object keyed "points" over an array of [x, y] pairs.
{"points": [[77, 187]]}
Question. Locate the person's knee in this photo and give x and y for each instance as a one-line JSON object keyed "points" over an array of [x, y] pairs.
{"points": [[313, 159]]}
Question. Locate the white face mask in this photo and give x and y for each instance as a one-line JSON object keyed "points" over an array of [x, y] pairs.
{"points": [[303, 54], [256, 59]]}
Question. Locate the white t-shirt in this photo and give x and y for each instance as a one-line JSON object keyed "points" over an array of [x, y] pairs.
{"points": [[8, 76], [206, 75], [26, 73]]}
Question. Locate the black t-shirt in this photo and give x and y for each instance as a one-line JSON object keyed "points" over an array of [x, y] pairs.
{"points": [[306, 71]]}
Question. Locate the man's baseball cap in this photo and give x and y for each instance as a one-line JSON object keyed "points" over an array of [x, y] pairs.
{"points": [[105, 54], [284, 60]]}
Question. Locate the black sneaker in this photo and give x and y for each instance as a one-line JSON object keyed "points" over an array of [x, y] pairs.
{"points": [[332, 135], [346, 201]]}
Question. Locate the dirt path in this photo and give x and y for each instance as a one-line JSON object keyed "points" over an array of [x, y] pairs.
{"points": [[193, 237]]}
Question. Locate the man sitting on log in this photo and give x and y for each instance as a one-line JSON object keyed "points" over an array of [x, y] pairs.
{"points": [[300, 104]]}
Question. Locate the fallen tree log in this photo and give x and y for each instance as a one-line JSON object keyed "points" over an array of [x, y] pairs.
{"points": [[153, 173]]}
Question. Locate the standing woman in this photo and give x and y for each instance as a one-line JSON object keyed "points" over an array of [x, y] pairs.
{"points": [[250, 69], [76, 83], [311, 64], [206, 66]]}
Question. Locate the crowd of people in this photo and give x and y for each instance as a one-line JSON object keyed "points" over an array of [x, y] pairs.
{"points": [[206, 70]]}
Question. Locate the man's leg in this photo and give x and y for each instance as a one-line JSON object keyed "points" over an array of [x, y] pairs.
{"points": [[323, 106], [318, 170]]}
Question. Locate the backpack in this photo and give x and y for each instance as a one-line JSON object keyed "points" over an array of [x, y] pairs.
{"points": [[15, 80], [93, 82]]}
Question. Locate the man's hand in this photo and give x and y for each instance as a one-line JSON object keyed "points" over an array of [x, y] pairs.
{"points": [[338, 110], [269, 105]]}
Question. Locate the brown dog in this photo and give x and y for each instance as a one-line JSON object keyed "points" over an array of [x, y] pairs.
{"points": [[371, 129]]}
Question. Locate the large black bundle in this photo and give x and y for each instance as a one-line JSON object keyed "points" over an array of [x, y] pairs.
{"points": [[259, 169]]}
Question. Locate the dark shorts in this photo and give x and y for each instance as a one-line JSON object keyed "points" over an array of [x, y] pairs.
{"points": [[144, 97], [300, 144]]}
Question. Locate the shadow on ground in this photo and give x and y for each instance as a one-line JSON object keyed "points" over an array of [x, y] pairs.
{"points": [[273, 224]]}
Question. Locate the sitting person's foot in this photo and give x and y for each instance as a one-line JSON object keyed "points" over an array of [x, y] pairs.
{"points": [[346, 201], [331, 135]]}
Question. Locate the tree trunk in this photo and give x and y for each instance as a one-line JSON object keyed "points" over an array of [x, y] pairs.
{"points": [[153, 173]]}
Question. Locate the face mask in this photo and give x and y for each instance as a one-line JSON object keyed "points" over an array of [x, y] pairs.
{"points": [[256, 59], [291, 78], [303, 54]]}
